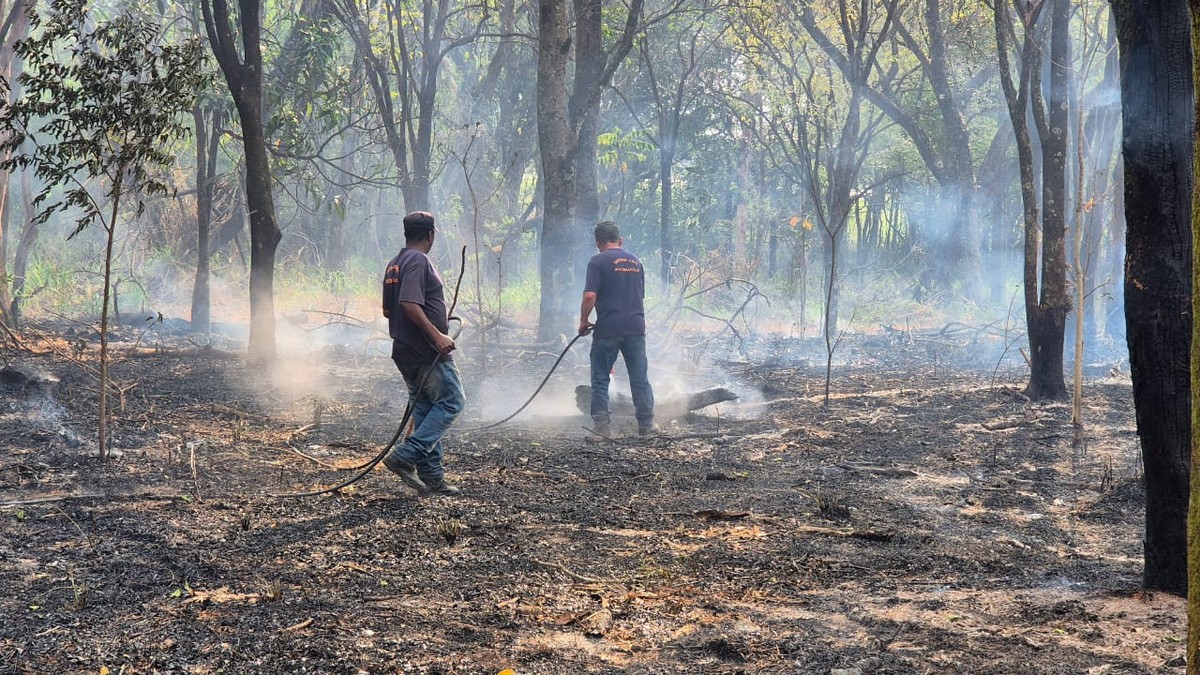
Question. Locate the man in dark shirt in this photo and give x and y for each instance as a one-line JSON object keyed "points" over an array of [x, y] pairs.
{"points": [[616, 288], [415, 306]]}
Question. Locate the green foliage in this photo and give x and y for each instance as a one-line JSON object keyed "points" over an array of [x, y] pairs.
{"points": [[302, 285], [99, 101]]}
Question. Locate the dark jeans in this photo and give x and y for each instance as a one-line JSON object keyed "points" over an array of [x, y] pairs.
{"points": [[604, 355], [437, 398]]}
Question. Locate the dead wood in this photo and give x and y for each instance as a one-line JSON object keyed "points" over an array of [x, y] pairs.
{"points": [[869, 535], [149, 496], [669, 408], [887, 471]]}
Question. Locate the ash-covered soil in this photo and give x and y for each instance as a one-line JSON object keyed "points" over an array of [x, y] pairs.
{"points": [[929, 519]]}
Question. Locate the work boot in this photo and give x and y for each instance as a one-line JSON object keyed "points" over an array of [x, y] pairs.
{"points": [[603, 432], [439, 487], [651, 429], [407, 472]]}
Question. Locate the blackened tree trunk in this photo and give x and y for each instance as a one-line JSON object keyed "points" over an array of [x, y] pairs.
{"points": [[1046, 299], [1157, 144], [1193, 516], [244, 76], [1047, 316]]}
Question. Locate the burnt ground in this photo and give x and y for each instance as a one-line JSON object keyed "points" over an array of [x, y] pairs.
{"points": [[929, 520]]}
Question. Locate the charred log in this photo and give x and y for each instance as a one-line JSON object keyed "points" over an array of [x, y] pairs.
{"points": [[664, 409]]}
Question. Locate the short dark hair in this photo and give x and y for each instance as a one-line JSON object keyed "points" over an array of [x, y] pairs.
{"points": [[418, 225], [607, 232]]}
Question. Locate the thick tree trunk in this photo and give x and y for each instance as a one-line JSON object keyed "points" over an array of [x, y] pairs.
{"points": [[558, 243], [264, 233], [245, 84], [584, 113], [1157, 144], [1193, 516]]}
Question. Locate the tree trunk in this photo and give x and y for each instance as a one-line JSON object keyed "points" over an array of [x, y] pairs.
{"points": [[958, 185], [207, 144], [1193, 515], [1157, 144], [264, 233], [10, 69], [1100, 131], [666, 161], [1048, 318], [1114, 307], [29, 237], [245, 84], [558, 244]]}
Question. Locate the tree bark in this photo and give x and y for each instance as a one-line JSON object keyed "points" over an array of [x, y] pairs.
{"points": [[1100, 130], [17, 23], [207, 142], [567, 140], [244, 77], [1047, 318], [1157, 144], [557, 244], [584, 110], [1193, 516]]}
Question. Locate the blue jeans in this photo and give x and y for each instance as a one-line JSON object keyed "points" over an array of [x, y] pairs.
{"points": [[436, 394], [604, 354]]}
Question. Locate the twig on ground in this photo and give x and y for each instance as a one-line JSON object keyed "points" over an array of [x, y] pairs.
{"points": [[12, 336], [49, 500], [299, 626], [195, 473], [869, 535], [313, 459], [574, 575]]}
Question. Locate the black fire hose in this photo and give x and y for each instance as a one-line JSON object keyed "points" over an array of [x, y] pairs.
{"points": [[364, 469], [537, 391]]}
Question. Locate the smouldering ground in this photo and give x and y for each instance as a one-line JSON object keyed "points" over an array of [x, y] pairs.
{"points": [[927, 521]]}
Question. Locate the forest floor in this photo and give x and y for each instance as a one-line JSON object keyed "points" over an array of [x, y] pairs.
{"points": [[929, 519]]}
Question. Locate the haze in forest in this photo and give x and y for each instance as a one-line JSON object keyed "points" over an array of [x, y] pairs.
{"points": [[738, 146]]}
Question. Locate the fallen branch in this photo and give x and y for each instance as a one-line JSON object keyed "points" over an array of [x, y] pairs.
{"points": [[869, 535], [99, 495], [313, 459], [299, 626], [12, 336], [886, 471]]}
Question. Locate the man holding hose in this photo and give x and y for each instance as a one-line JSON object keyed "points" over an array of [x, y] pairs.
{"points": [[414, 303], [615, 288]]}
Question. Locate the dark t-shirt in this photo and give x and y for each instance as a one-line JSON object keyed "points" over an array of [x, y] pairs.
{"points": [[411, 277], [617, 279]]}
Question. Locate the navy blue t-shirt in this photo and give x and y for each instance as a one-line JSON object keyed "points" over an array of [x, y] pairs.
{"points": [[411, 277], [617, 279]]}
